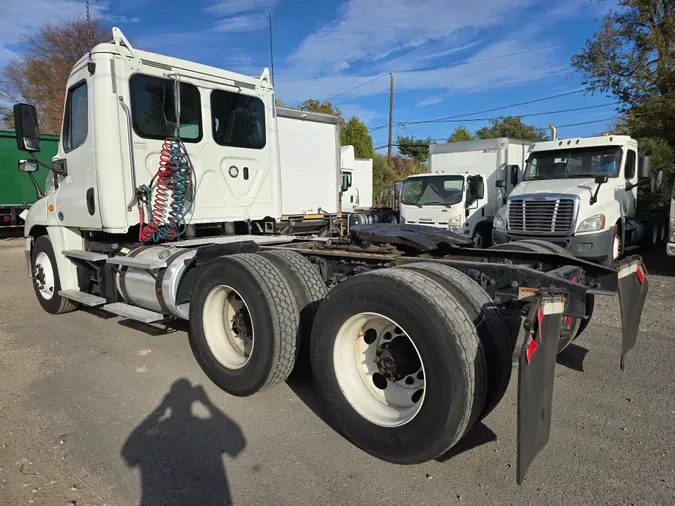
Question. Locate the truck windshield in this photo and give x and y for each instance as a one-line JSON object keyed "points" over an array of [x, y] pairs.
{"points": [[573, 163], [433, 190]]}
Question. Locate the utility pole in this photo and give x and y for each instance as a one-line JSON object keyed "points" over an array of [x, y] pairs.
{"points": [[391, 114]]}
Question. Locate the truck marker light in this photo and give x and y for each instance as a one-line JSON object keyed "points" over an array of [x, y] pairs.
{"points": [[50, 208]]}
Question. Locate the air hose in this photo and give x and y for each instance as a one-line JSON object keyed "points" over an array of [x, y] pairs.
{"points": [[173, 189]]}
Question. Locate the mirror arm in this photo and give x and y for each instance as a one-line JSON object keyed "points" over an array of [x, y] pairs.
{"points": [[594, 198], [46, 165], [39, 192]]}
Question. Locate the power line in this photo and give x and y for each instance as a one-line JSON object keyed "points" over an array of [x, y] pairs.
{"points": [[560, 111], [454, 64], [490, 58], [356, 87]]}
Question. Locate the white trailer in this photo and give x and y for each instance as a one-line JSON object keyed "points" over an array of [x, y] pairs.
{"points": [[407, 343], [581, 194], [309, 157], [460, 192]]}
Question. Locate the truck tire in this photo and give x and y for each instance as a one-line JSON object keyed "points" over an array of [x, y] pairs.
{"points": [[576, 325], [615, 252], [309, 289], [491, 327], [398, 362], [46, 280], [244, 323]]}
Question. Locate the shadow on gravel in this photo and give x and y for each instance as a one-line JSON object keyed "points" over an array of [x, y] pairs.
{"points": [[658, 262], [179, 455], [479, 435], [572, 357]]}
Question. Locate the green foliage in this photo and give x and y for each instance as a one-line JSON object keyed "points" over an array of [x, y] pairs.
{"points": [[325, 107], [404, 166], [414, 148], [461, 134], [632, 56], [512, 127], [383, 180], [355, 133], [663, 159]]}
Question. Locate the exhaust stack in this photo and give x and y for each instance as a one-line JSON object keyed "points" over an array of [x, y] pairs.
{"points": [[554, 132]]}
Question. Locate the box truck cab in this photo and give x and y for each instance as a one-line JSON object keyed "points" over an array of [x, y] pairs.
{"points": [[357, 181], [581, 194], [460, 193]]}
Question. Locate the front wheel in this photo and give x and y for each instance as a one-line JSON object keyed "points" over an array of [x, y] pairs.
{"points": [[615, 250], [46, 281]]}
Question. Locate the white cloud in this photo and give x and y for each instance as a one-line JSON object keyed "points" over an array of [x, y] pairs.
{"points": [[231, 7], [123, 19], [364, 114], [242, 23], [433, 100], [367, 30]]}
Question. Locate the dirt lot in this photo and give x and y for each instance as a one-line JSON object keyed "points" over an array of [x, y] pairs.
{"points": [[95, 411]]}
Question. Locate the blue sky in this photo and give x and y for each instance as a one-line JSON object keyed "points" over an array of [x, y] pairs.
{"points": [[325, 47]]}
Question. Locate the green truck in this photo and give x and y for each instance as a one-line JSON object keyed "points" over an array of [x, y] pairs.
{"points": [[16, 190]]}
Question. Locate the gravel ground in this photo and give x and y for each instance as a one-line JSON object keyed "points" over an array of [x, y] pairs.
{"points": [[95, 411]]}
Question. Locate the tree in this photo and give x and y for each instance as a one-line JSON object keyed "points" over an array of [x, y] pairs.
{"points": [[414, 148], [355, 133], [325, 107], [383, 180], [663, 158], [632, 57], [405, 166], [39, 75], [460, 134], [513, 127]]}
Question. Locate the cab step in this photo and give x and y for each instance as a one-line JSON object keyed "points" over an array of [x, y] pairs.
{"points": [[83, 298], [91, 256], [137, 263], [134, 312]]}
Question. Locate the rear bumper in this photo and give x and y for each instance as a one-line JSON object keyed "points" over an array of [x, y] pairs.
{"points": [[595, 246]]}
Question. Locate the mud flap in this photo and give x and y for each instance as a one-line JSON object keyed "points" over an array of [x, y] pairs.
{"points": [[633, 287], [536, 372]]}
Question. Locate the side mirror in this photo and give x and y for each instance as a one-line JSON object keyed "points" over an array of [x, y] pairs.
{"points": [[515, 169], [500, 183], [26, 128], [601, 179], [644, 167], [345, 186], [480, 189], [28, 165], [656, 181]]}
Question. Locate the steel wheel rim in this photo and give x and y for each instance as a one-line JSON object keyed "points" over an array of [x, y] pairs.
{"points": [[44, 276], [228, 327], [357, 373], [615, 247]]}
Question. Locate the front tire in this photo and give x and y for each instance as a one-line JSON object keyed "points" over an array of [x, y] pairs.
{"points": [[398, 330], [46, 280]]}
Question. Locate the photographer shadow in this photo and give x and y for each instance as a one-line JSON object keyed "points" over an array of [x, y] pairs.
{"points": [[180, 455]]}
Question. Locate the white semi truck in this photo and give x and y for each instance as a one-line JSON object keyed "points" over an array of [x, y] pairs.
{"points": [[357, 181], [409, 333], [459, 193], [581, 194]]}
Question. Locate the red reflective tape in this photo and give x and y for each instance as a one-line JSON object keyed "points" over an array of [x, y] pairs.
{"points": [[568, 321], [640, 275], [531, 348], [540, 318]]}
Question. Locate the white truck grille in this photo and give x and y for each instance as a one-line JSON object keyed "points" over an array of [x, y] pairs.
{"points": [[541, 216]]}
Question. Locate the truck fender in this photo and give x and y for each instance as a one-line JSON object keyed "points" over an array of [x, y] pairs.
{"points": [[64, 238]]}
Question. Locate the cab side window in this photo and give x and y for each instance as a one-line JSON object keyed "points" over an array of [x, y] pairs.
{"points": [[630, 164], [76, 120]]}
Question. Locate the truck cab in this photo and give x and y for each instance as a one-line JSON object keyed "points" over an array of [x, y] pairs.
{"points": [[580, 194], [122, 103], [455, 201]]}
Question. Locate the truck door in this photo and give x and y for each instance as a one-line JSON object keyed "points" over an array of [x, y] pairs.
{"points": [[76, 199]]}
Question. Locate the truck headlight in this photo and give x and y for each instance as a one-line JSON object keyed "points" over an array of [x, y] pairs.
{"points": [[592, 224], [499, 222], [454, 223]]}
